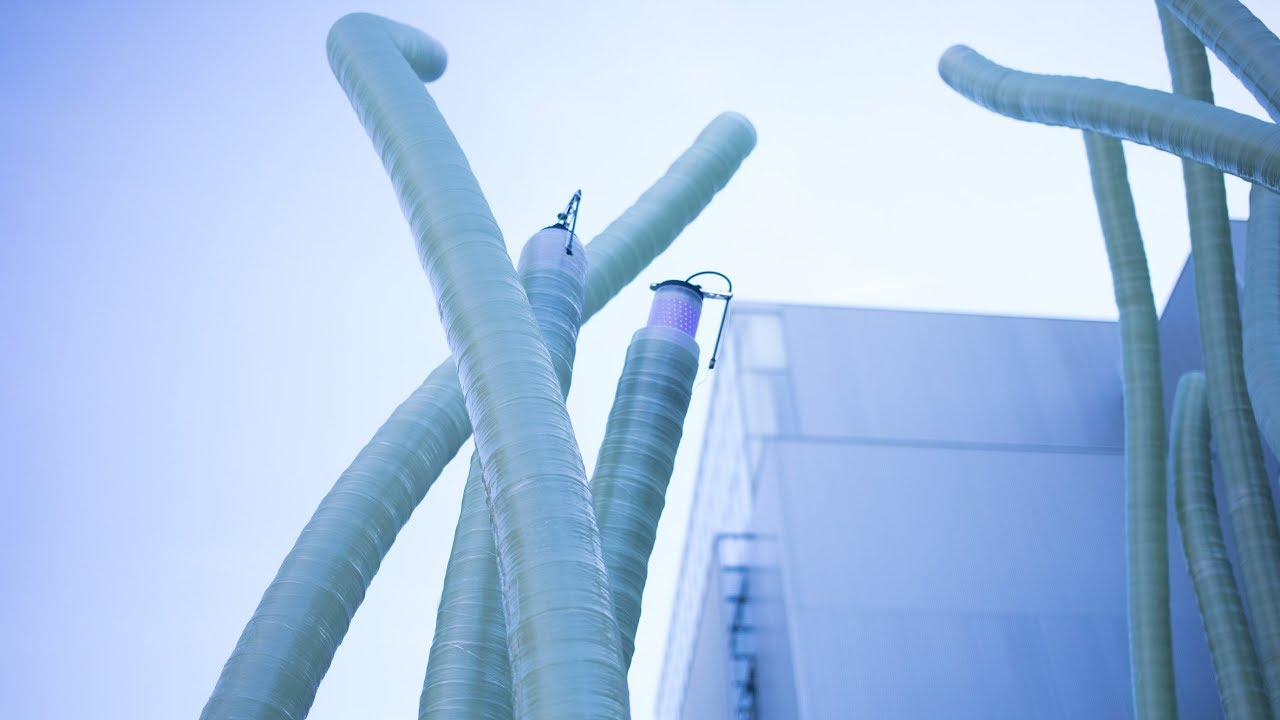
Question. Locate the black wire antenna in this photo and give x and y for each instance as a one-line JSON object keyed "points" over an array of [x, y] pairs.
{"points": [[568, 220], [726, 296]]}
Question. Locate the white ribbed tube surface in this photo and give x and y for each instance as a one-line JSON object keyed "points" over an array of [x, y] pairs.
{"points": [[1146, 506], [1239, 447], [289, 643], [1234, 143], [1249, 50], [1262, 312], [629, 485], [565, 655], [468, 672], [1235, 662]]}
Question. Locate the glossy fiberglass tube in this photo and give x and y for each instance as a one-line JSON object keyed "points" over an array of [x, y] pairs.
{"points": [[1234, 143], [637, 456], [1262, 312], [565, 656], [469, 672]]}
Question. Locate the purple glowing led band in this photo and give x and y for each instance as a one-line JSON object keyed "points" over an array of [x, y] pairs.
{"points": [[676, 306]]}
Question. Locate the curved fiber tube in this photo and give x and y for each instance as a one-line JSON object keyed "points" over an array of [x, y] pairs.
{"points": [[287, 646], [289, 642], [1146, 505], [637, 456], [565, 654], [1240, 40], [1262, 312], [1235, 664], [1231, 412], [468, 672], [1227, 140]]}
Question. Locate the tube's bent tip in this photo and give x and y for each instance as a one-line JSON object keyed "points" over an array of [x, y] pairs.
{"points": [[424, 53], [431, 65], [951, 57], [1190, 382], [737, 126]]}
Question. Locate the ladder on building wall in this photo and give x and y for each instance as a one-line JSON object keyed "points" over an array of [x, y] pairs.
{"points": [[735, 585]]}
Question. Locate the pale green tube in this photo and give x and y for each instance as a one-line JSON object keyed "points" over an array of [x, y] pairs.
{"points": [[1235, 663], [289, 643], [1240, 449], [1262, 312], [618, 254], [1229, 141], [1249, 50], [565, 653], [468, 672], [629, 485], [1146, 507]]}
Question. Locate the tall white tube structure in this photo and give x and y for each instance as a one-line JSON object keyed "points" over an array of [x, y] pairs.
{"points": [[1146, 505], [1235, 661], [468, 672], [1262, 312], [1234, 143], [562, 638], [637, 456], [1249, 50], [1235, 430]]}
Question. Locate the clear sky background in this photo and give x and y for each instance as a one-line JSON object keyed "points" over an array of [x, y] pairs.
{"points": [[210, 300]]}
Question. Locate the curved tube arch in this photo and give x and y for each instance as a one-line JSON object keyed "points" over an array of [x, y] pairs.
{"points": [[1234, 143], [637, 456], [1240, 40], [468, 673], [1231, 412], [1235, 663]]}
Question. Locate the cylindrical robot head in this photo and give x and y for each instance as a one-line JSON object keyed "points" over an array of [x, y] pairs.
{"points": [[547, 249], [676, 304], [554, 281]]}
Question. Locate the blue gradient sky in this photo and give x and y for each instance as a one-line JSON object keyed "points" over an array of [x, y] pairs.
{"points": [[210, 300]]}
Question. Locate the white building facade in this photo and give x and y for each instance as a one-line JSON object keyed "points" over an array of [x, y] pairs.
{"points": [[918, 515]]}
